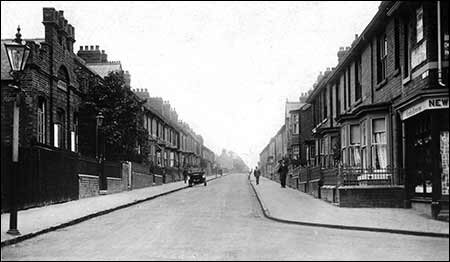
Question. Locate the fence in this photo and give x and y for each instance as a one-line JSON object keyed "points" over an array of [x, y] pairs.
{"points": [[46, 175]]}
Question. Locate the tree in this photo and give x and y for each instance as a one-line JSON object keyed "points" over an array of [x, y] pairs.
{"points": [[125, 136]]}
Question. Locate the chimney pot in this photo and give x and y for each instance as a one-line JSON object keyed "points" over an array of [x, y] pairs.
{"points": [[341, 48], [356, 36], [81, 48], [86, 47], [97, 47], [92, 47]]}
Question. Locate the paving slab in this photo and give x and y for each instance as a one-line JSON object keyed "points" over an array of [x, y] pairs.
{"points": [[293, 205], [41, 219]]}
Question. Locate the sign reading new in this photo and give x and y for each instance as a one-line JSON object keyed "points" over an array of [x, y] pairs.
{"points": [[430, 103]]}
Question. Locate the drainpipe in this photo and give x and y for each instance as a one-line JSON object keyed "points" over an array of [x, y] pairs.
{"points": [[439, 44]]}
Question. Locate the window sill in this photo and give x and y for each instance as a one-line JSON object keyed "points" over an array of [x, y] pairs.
{"points": [[357, 102], [396, 72], [406, 80], [381, 84]]}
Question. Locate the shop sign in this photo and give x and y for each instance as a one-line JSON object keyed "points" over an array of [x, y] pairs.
{"points": [[431, 103]]}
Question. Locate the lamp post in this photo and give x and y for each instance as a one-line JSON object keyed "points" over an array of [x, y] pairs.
{"points": [[100, 152], [17, 53]]}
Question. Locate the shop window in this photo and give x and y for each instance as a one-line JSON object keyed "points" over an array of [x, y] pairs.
{"points": [[41, 120], [58, 128], [379, 147], [354, 146]]}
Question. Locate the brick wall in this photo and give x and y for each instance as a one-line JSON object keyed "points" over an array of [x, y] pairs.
{"points": [[370, 196], [88, 186]]}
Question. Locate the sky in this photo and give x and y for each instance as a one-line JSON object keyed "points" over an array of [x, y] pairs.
{"points": [[226, 67]]}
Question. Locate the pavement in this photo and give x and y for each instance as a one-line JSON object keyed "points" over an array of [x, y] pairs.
{"points": [[293, 206], [220, 222], [39, 220]]}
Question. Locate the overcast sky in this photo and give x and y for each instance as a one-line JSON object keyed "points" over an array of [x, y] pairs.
{"points": [[226, 67]]}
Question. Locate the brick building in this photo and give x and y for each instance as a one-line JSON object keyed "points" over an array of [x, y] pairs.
{"points": [[48, 130], [380, 117]]}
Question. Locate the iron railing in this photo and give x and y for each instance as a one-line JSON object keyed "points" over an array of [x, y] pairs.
{"points": [[354, 176]]}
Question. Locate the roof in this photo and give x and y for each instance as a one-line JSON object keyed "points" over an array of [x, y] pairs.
{"points": [[290, 106], [103, 69], [6, 68]]}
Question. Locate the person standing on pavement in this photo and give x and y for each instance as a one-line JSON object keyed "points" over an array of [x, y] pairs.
{"points": [[185, 174], [250, 173], [283, 170], [257, 173]]}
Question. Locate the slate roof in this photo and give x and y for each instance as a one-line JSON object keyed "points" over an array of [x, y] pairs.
{"points": [[103, 69]]}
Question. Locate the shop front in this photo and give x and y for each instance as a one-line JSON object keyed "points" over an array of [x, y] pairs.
{"points": [[425, 124]]}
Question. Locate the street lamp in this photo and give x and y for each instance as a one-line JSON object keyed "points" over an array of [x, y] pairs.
{"points": [[17, 52], [100, 151]]}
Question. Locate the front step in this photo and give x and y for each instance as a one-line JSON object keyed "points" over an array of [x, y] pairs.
{"points": [[443, 215]]}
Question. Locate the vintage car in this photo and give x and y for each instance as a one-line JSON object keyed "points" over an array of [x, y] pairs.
{"points": [[197, 176]]}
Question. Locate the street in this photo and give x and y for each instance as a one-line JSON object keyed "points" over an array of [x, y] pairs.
{"points": [[222, 221]]}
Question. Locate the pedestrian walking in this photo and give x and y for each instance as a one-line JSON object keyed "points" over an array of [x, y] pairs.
{"points": [[282, 171], [185, 174], [257, 173]]}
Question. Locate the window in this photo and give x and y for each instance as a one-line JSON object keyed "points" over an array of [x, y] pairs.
{"points": [[381, 57], [172, 159], [296, 152], [354, 146], [396, 44], [294, 121], [74, 134], [406, 60], [349, 88], [419, 24], [41, 120], [358, 73], [154, 127], [363, 145], [58, 128], [158, 158], [165, 159], [324, 104], [379, 148], [344, 144], [337, 103]]}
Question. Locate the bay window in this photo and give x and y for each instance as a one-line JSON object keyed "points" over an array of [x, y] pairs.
{"points": [[363, 145], [379, 147], [354, 146]]}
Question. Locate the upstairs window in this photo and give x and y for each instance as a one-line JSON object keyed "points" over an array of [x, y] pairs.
{"points": [[358, 74], [396, 44], [294, 119], [419, 24], [381, 58]]}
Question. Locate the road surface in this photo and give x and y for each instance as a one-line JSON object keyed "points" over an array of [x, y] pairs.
{"points": [[221, 221]]}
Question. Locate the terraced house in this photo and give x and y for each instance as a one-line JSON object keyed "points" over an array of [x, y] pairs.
{"points": [[54, 165], [380, 117]]}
